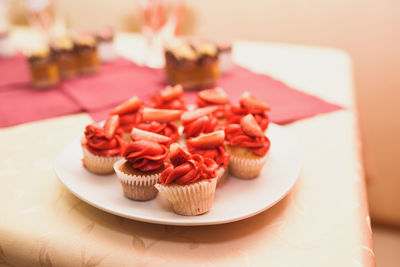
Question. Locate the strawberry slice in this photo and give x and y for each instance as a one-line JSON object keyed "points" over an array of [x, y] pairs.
{"points": [[216, 95], [197, 113], [250, 126], [171, 92], [138, 134], [178, 155], [131, 105], [156, 114], [111, 125], [250, 102], [210, 140]]}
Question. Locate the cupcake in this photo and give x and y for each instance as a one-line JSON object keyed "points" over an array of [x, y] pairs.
{"points": [[129, 115], [198, 121], [211, 146], [189, 183], [160, 121], [170, 98], [250, 105], [247, 146], [102, 146], [214, 97], [142, 165]]}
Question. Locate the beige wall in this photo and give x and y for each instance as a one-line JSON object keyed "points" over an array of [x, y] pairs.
{"points": [[369, 30]]}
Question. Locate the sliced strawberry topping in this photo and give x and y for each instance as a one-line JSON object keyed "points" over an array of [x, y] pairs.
{"points": [[252, 103], [155, 114], [171, 92], [130, 105], [197, 113], [210, 140], [177, 154], [138, 134], [110, 127], [216, 96], [250, 126]]}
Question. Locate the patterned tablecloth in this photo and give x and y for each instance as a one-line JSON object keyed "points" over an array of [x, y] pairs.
{"points": [[322, 222]]}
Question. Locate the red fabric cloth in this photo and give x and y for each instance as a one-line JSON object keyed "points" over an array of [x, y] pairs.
{"points": [[122, 79]]}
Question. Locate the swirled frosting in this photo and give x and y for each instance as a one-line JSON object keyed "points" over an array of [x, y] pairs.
{"points": [[218, 154], [129, 120], [177, 103], [163, 128], [204, 124], [145, 155], [236, 137], [237, 113], [222, 110], [195, 168], [97, 143]]}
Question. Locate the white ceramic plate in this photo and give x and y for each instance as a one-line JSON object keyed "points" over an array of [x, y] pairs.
{"points": [[234, 200]]}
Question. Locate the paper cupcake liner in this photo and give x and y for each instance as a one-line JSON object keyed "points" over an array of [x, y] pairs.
{"points": [[191, 199], [137, 187], [222, 174], [97, 164], [246, 168]]}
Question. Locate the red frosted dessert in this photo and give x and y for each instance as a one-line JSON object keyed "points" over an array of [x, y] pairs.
{"points": [[250, 105], [214, 97], [160, 121], [170, 98], [129, 113], [198, 121]]}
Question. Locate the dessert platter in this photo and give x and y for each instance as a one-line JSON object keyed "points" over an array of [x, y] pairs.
{"points": [[161, 162]]}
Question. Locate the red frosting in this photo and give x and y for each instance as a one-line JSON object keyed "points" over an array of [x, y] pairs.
{"points": [[145, 155], [163, 128], [177, 103], [129, 120], [97, 143], [222, 110], [195, 168], [218, 154], [204, 124], [236, 137], [239, 112]]}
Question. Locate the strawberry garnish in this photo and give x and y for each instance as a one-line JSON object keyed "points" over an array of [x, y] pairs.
{"points": [[138, 134], [250, 126], [171, 92], [111, 125], [216, 95], [177, 154], [197, 113], [252, 103], [210, 140], [131, 105], [155, 114]]}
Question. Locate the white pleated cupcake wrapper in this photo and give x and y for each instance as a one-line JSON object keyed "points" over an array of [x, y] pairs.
{"points": [[97, 164], [222, 174], [246, 168], [135, 180], [191, 199]]}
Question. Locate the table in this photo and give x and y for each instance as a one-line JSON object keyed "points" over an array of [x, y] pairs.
{"points": [[323, 221]]}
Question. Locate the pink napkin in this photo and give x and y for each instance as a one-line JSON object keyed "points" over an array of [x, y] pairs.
{"points": [[14, 70]]}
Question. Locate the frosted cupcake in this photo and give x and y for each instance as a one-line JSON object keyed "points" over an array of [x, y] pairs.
{"points": [[212, 146], [102, 146], [247, 146], [129, 115], [198, 121], [189, 183], [171, 97], [215, 97], [140, 169]]}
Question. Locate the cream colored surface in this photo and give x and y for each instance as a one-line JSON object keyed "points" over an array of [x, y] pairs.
{"points": [[323, 222]]}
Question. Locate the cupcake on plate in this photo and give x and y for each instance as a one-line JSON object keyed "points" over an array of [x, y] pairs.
{"points": [[189, 183], [129, 115], [198, 121], [142, 165], [250, 105], [171, 97], [102, 146], [248, 147], [212, 146], [215, 97], [160, 121]]}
